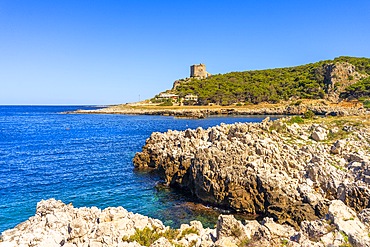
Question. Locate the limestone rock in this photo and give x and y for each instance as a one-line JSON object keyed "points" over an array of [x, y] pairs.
{"points": [[338, 76], [278, 230], [228, 226], [337, 147], [226, 242], [315, 230], [347, 222], [364, 216], [161, 242], [319, 134], [58, 224], [249, 168]]}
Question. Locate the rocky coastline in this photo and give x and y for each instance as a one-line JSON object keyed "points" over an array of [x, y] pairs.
{"points": [[58, 224], [310, 181], [287, 171], [204, 111]]}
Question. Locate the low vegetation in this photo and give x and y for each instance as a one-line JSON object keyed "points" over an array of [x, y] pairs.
{"points": [[245, 242], [360, 89], [166, 102], [284, 242], [345, 238], [148, 236], [295, 119], [366, 103], [187, 231]]}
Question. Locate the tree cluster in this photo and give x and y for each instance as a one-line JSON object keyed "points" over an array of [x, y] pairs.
{"points": [[270, 85]]}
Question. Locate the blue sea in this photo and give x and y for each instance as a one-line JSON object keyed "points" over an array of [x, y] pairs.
{"points": [[86, 160]]}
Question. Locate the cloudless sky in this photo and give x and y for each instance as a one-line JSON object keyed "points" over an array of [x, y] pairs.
{"points": [[108, 52]]}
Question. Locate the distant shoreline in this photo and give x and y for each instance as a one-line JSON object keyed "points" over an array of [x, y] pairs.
{"points": [[318, 107]]}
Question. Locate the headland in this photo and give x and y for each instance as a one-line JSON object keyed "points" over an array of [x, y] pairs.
{"points": [[338, 87]]}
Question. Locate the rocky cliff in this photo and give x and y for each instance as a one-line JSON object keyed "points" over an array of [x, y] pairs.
{"points": [[337, 76], [56, 224], [286, 171]]}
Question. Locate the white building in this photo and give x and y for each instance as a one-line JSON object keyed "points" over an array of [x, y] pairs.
{"points": [[168, 96], [191, 97]]}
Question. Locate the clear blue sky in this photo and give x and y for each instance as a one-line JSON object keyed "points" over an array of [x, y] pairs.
{"points": [[107, 52]]}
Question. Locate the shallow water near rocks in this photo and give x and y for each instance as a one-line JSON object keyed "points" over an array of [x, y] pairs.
{"points": [[87, 160]]}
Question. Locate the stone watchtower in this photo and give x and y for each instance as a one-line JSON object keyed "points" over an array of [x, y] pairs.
{"points": [[199, 71]]}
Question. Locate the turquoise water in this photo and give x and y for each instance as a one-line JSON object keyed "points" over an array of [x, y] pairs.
{"points": [[87, 160]]}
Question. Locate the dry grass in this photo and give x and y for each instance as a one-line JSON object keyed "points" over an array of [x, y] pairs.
{"points": [[363, 120], [304, 102]]}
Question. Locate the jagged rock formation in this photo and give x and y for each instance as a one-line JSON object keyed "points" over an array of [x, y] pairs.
{"points": [[57, 224], [337, 76], [269, 168]]}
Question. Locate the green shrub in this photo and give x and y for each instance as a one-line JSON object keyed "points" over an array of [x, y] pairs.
{"points": [[148, 236], [189, 102], [345, 245], [362, 99], [366, 103], [309, 114], [296, 119], [245, 242], [236, 232], [351, 218], [156, 100], [189, 231], [284, 242], [167, 102], [345, 236], [192, 243], [278, 127], [359, 90]]}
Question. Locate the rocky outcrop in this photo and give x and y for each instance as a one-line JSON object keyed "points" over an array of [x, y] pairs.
{"points": [[337, 76], [289, 172], [57, 224]]}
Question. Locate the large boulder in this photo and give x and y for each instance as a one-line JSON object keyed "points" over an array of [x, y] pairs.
{"points": [[348, 223]]}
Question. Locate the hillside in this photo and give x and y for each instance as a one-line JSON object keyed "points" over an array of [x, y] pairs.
{"points": [[343, 77]]}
